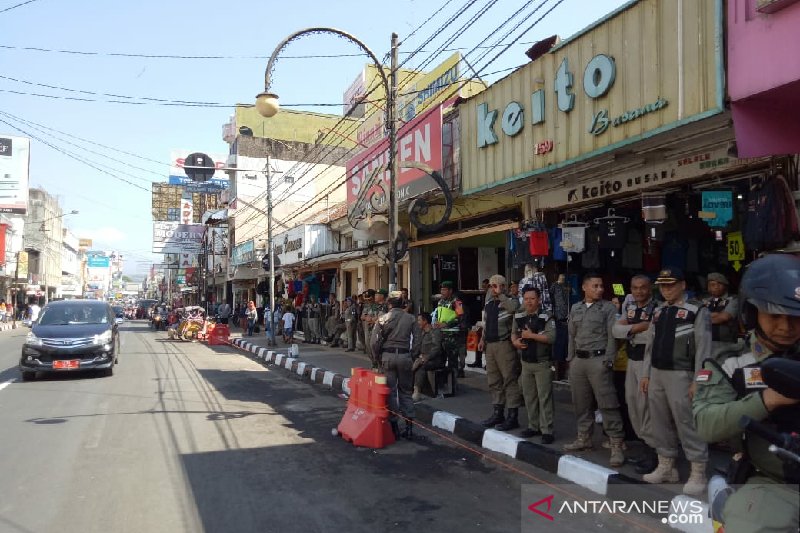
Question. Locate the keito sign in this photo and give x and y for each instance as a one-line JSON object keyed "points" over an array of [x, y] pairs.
{"points": [[419, 141]]}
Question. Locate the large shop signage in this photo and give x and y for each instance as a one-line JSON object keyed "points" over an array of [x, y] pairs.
{"points": [[177, 238], [688, 166], [598, 78], [608, 87], [418, 141]]}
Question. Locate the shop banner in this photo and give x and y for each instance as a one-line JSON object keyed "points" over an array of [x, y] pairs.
{"points": [[177, 238], [720, 203], [418, 141], [243, 253], [15, 154], [98, 261]]}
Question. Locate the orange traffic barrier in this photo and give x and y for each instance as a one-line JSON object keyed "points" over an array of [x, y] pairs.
{"points": [[473, 337], [218, 334], [366, 421]]}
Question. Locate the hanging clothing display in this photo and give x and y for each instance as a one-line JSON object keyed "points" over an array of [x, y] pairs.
{"points": [[591, 255], [632, 253], [613, 233], [654, 206], [555, 239], [539, 280], [539, 243], [573, 239], [771, 215], [520, 250]]}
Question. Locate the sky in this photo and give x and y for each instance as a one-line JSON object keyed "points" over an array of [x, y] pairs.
{"points": [[61, 61]]}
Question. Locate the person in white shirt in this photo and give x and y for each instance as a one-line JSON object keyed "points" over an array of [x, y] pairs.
{"points": [[288, 326], [34, 310]]}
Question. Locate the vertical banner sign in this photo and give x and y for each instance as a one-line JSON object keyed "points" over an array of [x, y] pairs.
{"points": [[15, 155], [187, 211]]}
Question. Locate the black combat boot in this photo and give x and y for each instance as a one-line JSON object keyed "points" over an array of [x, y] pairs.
{"points": [[408, 431], [496, 418], [648, 462], [511, 421]]}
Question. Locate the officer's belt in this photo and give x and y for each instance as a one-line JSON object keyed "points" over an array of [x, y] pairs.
{"points": [[584, 354], [398, 351]]}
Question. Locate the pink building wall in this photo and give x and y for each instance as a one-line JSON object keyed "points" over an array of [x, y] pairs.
{"points": [[764, 78], [763, 50]]}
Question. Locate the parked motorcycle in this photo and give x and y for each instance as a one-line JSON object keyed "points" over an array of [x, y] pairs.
{"points": [[783, 376]]}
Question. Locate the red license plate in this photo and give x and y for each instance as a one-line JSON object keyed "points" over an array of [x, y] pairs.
{"points": [[66, 364]]}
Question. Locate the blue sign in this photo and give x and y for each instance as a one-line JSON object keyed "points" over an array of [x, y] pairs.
{"points": [[212, 185], [721, 204], [98, 261], [243, 253]]}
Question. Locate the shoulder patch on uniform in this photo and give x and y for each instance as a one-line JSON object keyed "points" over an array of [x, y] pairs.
{"points": [[691, 307], [703, 376]]}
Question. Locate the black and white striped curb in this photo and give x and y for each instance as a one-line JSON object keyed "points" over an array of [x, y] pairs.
{"points": [[599, 479], [5, 326]]}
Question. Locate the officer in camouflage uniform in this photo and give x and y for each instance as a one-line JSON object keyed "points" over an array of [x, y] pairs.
{"points": [[680, 339], [391, 338], [452, 321], [724, 309], [502, 361], [369, 313], [590, 352], [427, 352], [770, 303]]}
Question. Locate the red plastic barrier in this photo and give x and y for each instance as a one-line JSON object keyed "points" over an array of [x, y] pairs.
{"points": [[218, 334], [366, 421]]}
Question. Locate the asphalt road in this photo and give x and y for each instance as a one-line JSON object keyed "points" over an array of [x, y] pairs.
{"points": [[190, 438]]}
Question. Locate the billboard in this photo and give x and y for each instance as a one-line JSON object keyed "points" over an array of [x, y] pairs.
{"points": [[418, 141], [177, 238], [15, 156], [244, 253], [98, 261]]}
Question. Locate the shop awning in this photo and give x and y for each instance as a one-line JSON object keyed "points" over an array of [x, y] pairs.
{"points": [[466, 234], [336, 257], [244, 272]]}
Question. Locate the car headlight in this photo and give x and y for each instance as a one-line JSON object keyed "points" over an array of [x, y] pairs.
{"points": [[103, 338], [33, 340]]}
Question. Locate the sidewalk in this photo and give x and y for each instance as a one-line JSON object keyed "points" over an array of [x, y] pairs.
{"points": [[461, 414]]}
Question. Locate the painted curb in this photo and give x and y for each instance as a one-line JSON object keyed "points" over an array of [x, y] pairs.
{"points": [[597, 478]]}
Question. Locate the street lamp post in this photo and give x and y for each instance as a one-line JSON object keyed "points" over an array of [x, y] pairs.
{"points": [[267, 105]]}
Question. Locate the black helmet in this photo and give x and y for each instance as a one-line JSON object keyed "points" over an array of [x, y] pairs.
{"points": [[771, 285]]}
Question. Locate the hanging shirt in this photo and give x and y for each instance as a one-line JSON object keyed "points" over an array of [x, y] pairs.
{"points": [[632, 253], [613, 233], [573, 239], [591, 256], [539, 244], [558, 252], [673, 253]]}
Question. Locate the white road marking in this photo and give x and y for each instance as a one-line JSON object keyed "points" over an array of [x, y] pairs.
{"points": [[6, 383]]}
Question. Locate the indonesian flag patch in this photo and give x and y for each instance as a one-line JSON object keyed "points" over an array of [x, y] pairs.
{"points": [[703, 376]]}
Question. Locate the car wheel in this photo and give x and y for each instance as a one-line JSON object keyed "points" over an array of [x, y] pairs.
{"points": [[28, 376]]}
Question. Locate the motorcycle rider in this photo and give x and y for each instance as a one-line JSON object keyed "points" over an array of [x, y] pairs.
{"points": [[769, 297]]}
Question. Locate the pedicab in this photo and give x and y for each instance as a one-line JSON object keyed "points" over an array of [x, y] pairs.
{"points": [[191, 323]]}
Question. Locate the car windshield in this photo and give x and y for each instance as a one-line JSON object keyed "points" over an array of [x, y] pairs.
{"points": [[77, 314]]}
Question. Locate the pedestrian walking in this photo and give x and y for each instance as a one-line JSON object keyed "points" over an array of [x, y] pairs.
{"points": [[224, 312], [251, 315]]}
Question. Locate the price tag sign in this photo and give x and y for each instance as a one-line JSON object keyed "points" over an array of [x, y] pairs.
{"points": [[735, 246], [619, 289]]}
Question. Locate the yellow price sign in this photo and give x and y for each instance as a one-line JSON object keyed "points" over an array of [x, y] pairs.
{"points": [[735, 246], [619, 289]]}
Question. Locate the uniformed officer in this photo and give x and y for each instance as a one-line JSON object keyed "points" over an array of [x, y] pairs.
{"points": [[724, 309], [680, 339], [427, 352], [368, 312], [502, 361], [351, 317], [633, 326], [391, 338], [533, 334], [590, 352], [452, 321], [770, 312], [311, 323]]}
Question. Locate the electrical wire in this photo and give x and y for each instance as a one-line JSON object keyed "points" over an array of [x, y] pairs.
{"points": [[16, 6]]}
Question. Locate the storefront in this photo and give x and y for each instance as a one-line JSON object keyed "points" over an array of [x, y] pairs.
{"points": [[628, 164]]}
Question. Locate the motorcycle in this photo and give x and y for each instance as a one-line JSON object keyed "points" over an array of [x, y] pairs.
{"points": [[783, 376], [158, 321]]}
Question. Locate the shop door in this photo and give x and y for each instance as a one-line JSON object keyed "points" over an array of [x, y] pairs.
{"points": [[468, 269], [444, 268], [349, 283]]}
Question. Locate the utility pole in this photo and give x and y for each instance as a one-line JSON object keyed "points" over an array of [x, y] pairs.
{"points": [[271, 279], [391, 116]]}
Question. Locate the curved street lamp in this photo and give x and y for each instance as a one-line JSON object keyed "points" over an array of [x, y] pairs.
{"points": [[267, 104]]}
